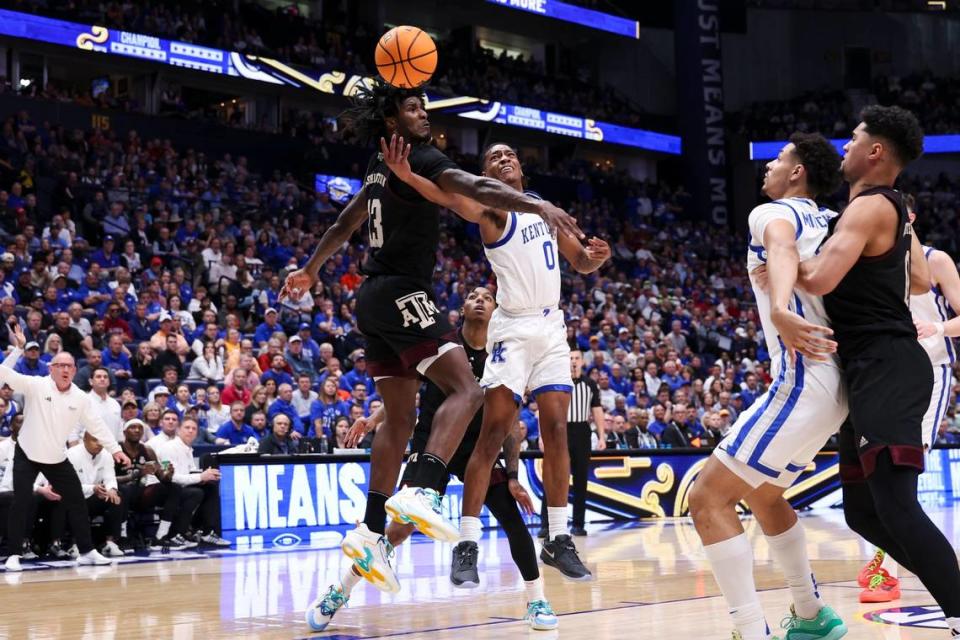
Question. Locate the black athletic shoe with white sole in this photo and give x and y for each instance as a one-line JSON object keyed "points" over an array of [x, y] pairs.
{"points": [[561, 554], [463, 569]]}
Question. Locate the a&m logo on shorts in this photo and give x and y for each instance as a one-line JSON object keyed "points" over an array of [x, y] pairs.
{"points": [[926, 617], [417, 308]]}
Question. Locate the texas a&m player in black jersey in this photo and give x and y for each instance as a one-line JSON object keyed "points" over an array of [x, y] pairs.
{"points": [[405, 331], [866, 272], [503, 496]]}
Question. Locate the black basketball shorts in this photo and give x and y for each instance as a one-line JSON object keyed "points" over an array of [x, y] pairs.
{"points": [[889, 389], [402, 324]]}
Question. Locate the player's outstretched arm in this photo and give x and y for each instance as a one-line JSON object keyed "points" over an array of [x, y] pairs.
{"points": [[302, 280], [497, 195], [783, 260], [822, 274], [396, 154], [944, 272], [585, 259]]}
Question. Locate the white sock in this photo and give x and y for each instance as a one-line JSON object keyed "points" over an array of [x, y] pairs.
{"points": [[534, 590], [891, 565], [789, 550], [163, 529], [470, 530], [556, 522], [732, 565], [954, 625], [349, 580]]}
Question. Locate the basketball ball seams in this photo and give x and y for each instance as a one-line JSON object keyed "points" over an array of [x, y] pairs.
{"points": [[412, 42], [386, 51], [425, 72]]}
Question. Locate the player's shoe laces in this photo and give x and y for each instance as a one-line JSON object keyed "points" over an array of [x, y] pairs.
{"points": [[421, 508], [561, 554], [882, 588], [321, 612], [371, 555], [826, 626], [463, 569], [540, 616], [863, 579]]}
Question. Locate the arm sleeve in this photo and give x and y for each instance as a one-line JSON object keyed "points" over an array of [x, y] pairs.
{"points": [[766, 213], [17, 381], [90, 419]]}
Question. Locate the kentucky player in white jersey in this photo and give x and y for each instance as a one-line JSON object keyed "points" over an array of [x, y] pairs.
{"points": [[527, 348], [774, 440], [935, 316]]}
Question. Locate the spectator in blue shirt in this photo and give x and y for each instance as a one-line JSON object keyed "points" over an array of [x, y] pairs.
{"points": [[661, 419], [106, 257], [618, 381], [671, 377], [299, 361], [235, 431], [311, 348], [358, 374], [325, 409], [267, 328], [141, 327], [529, 417], [277, 372], [750, 390], [29, 363], [284, 404], [115, 357]]}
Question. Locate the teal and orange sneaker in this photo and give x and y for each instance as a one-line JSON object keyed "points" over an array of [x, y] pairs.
{"points": [[826, 626], [371, 555], [323, 609], [540, 616]]}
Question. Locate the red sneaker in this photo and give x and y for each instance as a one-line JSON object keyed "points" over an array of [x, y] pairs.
{"points": [[881, 588], [871, 568]]}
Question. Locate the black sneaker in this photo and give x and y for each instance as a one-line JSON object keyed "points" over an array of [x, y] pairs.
{"points": [[27, 553], [57, 551], [463, 569], [561, 554], [578, 531], [178, 542]]}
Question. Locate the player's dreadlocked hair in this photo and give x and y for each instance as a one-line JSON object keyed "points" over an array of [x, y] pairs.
{"points": [[366, 119], [899, 126], [820, 160]]}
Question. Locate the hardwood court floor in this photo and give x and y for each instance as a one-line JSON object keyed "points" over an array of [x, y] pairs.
{"points": [[652, 582]]}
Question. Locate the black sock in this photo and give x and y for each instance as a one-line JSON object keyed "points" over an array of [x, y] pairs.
{"points": [[431, 472], [375, 516]]}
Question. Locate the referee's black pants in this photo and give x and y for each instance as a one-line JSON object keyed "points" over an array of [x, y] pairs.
{"points": [[578, 443], [63, 478]]}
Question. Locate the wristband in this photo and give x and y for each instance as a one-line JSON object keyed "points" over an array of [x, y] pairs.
{"points": [[939, 327], [512, 475]]}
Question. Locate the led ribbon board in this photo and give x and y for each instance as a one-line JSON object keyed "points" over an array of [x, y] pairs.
{"points": [[931, 144], [576, 15], [268, 70]]}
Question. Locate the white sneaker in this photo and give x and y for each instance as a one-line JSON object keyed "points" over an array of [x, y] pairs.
{"points": [[112, 550], [421, 508], [215, 540], [13, 564], [92, 558], [371, 554], [323, 609]]}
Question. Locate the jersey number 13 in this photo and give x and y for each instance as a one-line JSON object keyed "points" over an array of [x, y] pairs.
{"points": [[376, 223]]}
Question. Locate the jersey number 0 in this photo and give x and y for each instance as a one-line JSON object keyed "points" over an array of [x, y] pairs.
{"points": [[376, 223]]}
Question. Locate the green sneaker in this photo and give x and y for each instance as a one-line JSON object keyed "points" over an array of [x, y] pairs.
{"points": [[826, 626]]}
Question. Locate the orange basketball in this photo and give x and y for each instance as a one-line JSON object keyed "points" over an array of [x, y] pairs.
{"points": [[406, 57]]}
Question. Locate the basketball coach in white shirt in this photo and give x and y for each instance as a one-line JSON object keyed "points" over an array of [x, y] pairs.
{"points": [[53, 407]]}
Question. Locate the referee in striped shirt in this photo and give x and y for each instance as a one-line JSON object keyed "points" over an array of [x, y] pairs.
{"points": [[584, 402]]}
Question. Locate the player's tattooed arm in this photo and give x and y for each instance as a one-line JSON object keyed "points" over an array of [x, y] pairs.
{"points": [[497, 195], [396, 154], [350, 219], [585, 259]]}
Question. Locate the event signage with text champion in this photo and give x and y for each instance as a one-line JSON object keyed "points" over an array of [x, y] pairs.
{"points": [[577, 15], [267, 70]]}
